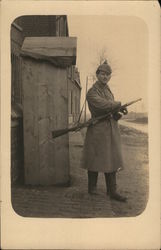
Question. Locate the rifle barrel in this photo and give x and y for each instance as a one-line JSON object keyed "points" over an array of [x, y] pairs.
{"points": [[130, 103]]}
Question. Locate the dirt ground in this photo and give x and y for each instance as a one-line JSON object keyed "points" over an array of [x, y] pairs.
{"points": [[133, 181], [75, 202]]}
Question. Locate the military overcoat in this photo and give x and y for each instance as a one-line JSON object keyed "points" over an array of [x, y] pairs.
{"points": [[102, 147]]}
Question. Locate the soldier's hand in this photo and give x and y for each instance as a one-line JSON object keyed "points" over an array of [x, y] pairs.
{"points": [[117, 116], [124, 111]]}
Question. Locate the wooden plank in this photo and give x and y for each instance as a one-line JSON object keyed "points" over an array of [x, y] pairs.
{"points": [[45, 108], [50, 46], [31, 157], [58, 109]]}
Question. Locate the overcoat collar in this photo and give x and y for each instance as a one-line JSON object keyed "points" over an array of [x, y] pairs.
{"points": [[100, 86]]}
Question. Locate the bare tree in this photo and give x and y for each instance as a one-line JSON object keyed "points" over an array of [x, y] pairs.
{"points": [[102, 55], [100, 58]]}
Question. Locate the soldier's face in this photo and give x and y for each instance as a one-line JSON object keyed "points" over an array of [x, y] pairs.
{"points": [[103, 77]]}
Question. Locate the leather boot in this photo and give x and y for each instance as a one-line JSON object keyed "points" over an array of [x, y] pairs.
{"points": [[111, 187], [107, 179], [92, 182]]}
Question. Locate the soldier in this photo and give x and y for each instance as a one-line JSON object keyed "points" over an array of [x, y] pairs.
{"points": [[102, 148]]}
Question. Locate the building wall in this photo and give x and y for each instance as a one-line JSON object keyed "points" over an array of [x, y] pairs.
{"points": [[41, 25], [31, 26], [16, 42], [61, 26], [17, 152], [37, 25], [74, 93], [16, 108], [21, 27]]}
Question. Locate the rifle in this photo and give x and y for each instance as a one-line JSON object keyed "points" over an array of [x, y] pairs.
{"points": [[92, 121]]}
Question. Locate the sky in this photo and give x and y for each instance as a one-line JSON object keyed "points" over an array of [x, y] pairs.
{"points": [[123, 41]]}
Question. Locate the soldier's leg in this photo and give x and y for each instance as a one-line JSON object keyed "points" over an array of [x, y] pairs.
{"points": [[92, 182], [107, 179], [112, 187]]}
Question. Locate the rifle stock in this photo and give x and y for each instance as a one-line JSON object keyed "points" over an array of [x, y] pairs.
{"points": [[60, 132], [92, 121]]}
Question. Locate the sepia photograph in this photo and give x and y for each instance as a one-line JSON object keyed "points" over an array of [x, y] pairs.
{"points": [[80, 131], [79, 117]]}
